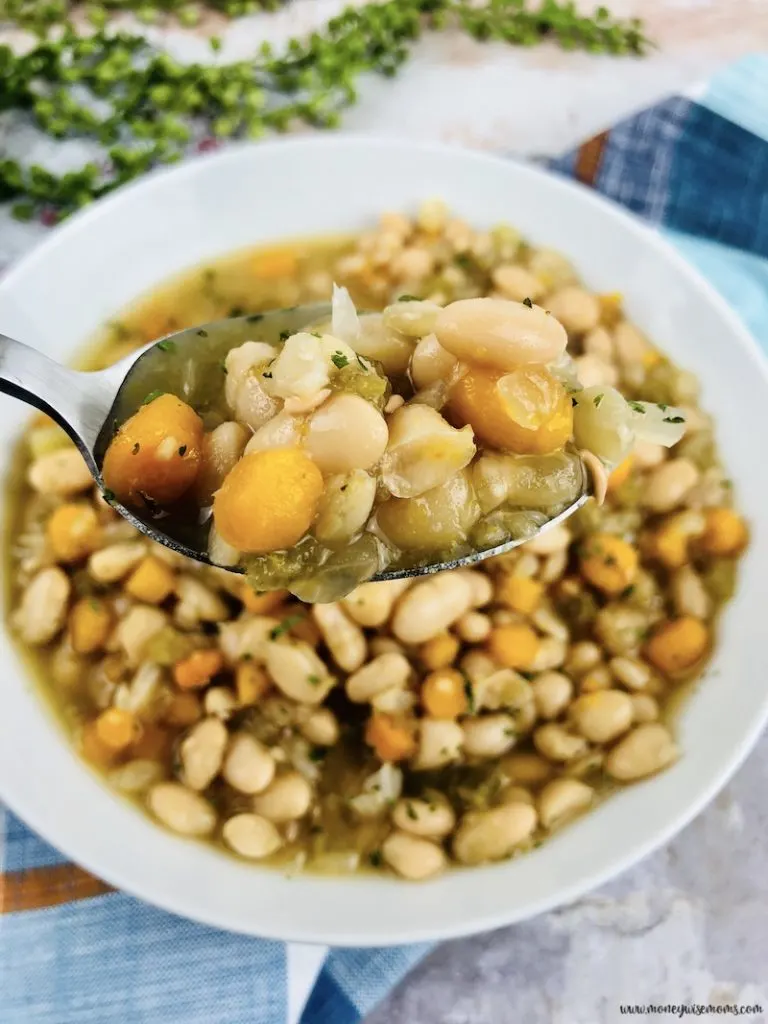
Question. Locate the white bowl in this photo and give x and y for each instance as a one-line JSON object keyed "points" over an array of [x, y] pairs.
{"points": [[172, 220]]}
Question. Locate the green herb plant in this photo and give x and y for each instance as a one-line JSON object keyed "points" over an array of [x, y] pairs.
{"points": [[145, 108]]}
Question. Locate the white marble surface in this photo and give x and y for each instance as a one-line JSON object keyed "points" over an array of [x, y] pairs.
{"points": [[689, 924]]}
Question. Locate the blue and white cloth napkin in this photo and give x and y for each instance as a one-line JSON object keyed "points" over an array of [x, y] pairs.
{"points": [[74, 952]]}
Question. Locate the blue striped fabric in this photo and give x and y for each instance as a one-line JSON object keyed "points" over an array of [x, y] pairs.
{"points": [[698, 170]]}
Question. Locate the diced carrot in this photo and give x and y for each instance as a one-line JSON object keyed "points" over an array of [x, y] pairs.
{"points": [[117, 728], [391, 738], [443, 694], [198, 669]]}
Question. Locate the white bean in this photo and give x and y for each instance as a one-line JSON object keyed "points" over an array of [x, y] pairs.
{"points": [[181, 809], [557, 744], [630, 673], [394, 701], [43, 607], [477, 666], [137, 628], [220, 701], [689, 595], [287, 798], [602, 716], [644, 751], [197, 603], [345, 507], [431, 819], [251, 836], [412, 857], [413, 319], [135, 776], [321, 728], [668, 485], [644, 708], [409, 466], [371, 604], [431, 363], [244, 391], [545, 620], [517, 283], [429, 608], [220, 451], [598, 342], [346, 433], [473, 627], [648, 456], [248, 765], [595, 372], [383, 673], [489, 735], [598, 678], [482, 587], [562, 799], [440, 743], [494, 834], [499, 333], [550, 541], [344, 638], [576, 309], [201, 753], [115, 561], [62, 473], [298, 671], [551, 653], [553, 692]]}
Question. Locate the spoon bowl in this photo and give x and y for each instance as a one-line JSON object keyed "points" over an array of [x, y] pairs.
{"points": [[90, 406]]}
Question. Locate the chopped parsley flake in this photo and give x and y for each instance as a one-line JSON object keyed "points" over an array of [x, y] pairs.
{"points": [[285, 626], [167, 346], [363, 365], [597, 400], [183, 450], [674, 419], [267, 375], [202, 334], [408, 298], [574, 402], [410, 811], [637, 407], [470, 695], [339, 360], [152, 396], [375, 858], [528, 303], [662, 406], [285, 335], [313, 680]]}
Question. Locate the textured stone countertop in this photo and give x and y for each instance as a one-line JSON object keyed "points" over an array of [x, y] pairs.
{"points": [[690, 923]]}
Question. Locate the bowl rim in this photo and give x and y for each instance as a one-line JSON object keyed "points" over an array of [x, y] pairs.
{"points": [[145, 887]]}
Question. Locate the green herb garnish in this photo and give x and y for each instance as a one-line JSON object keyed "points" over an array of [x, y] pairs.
{"points": [[152, 396], [339, 360], [167, 346], [597, 400], [408, 298], [284, 626], [469, 693], [637, 407], [183, 450], [375, 858], [674, 419], [528, 303]]}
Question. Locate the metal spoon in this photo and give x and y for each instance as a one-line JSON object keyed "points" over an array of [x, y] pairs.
{"points": [[87, 405]]}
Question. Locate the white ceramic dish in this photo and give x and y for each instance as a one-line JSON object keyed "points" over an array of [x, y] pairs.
{"points": [[173, 220]]}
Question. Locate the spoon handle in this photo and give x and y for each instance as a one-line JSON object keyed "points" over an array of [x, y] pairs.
{"points": [[79, 402]]}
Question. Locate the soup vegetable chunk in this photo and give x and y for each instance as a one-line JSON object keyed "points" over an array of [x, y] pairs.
{"points": [[407, 726], [371, 442]]}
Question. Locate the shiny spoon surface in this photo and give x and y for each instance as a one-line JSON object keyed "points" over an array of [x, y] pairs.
{"points": [[88, 405]]}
